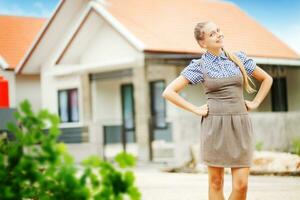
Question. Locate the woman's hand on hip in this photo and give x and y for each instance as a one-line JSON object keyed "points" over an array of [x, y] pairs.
{"points": [[201, 110], [251, 105]]}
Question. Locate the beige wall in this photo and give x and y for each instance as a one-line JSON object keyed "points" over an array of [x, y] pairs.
{"points": [[106, 100], [51, 85], [23, 87], [97, 42], [29, 87]]}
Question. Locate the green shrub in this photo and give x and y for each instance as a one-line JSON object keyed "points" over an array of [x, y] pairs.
{"points": [[34, 166], [259, 146], [296, 145]]}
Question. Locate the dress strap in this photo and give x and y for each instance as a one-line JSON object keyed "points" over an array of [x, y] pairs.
{"points": [[204, 70]]}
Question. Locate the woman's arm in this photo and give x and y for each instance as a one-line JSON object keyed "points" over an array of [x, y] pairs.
{"points": [[262, 76], [171, 93]]}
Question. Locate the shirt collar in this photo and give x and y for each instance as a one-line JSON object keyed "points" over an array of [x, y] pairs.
{"points": [[212, 57]]}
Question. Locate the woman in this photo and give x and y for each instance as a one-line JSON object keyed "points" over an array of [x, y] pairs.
{"points": [[226, 129]]}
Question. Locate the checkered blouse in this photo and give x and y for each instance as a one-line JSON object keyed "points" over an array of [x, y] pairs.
{"points": [[216, 67]]}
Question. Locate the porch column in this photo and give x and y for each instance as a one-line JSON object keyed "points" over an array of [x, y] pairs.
{"points": [[94, 132], [86, 98], [142, 112]]}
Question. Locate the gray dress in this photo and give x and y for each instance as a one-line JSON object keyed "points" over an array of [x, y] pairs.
{"points": [[226, 132]]}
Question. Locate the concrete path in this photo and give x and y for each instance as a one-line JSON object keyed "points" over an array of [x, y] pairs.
{"points": [[156, 185]]}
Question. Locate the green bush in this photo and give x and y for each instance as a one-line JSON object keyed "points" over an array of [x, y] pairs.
{"points": [[34, 166], [259, 146], [296, 145]]}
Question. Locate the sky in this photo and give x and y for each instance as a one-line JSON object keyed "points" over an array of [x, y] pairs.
{"points": [[278, 16]]}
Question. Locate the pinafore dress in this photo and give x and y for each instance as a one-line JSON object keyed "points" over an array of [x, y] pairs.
{"points": [[226, 131]]}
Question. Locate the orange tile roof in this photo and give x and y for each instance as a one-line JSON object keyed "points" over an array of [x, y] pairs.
{"points": [[167, 26], [16, 36]]}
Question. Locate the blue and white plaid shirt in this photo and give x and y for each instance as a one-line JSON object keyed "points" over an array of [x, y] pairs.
{"points": [[216, 67]]}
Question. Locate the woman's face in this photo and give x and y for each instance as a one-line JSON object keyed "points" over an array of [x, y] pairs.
{"points": [[213, 37]]}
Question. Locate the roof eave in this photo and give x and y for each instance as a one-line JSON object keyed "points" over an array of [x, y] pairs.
{"points": [[258, 60], [3, 64], [135, 41], [96, 6], [277, 61], [43, 31]]}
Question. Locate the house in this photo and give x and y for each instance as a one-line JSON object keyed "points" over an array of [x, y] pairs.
{"points": [[103, 65], [16, 36]]}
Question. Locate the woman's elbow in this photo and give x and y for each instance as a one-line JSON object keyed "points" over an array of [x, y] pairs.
{"points": [[270, 79], [166, 93]]}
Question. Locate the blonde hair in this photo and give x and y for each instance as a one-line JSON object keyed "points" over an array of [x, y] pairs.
{"points": [[199, 35]]}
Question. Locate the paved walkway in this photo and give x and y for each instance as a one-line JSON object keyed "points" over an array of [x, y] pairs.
{"points": [[157, 185]]}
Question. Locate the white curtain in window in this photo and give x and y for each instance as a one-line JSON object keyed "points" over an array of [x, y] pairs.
{"points": [[159, 105], [63, 106], [74, 105]]}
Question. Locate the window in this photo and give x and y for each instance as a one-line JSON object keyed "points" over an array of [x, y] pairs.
{"points": [[68, 105], [128, 112], [279, 94], [158, 104]]}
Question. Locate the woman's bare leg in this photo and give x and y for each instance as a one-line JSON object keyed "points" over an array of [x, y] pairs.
{"points": [[239, 183], [216, 183]]}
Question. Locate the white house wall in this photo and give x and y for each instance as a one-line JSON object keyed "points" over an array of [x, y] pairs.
{"points": [[29, 87], [51, 85], [97, 42], [106, 97], [80, 40]]}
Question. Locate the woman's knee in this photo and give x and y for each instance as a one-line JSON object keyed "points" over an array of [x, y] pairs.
{"points": [[240, 186], [216, 177], [216, 182]]}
